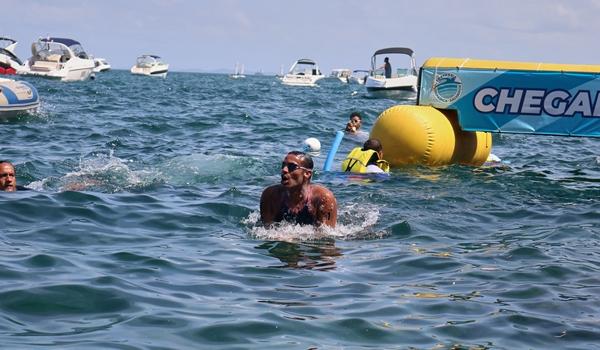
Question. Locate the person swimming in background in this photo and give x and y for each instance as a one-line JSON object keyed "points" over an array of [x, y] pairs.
{"points": [[354, 123], [368, 159], [8, 179], [295, 199]]}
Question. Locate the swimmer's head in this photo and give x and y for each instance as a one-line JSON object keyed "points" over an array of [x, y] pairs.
{"points": [[312, 146]]}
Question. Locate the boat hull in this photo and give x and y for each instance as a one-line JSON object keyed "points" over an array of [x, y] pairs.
{"points": [[17, 97], [154, 71], [75, 69], [301, 80], [397, 88]]}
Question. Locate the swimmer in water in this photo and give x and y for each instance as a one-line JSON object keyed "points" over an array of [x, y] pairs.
{"points": [[8, 179], [295, 199], [354, 123]]}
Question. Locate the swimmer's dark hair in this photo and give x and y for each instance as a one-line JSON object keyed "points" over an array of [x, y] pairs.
{"points": [[373, 144], [356, 114], [305, 159]]}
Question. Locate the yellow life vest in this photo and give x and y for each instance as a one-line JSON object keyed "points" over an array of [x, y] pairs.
{"points": [[357, 161]]}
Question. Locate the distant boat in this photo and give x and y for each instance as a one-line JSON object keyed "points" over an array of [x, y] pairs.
{"points": [[359, 76], [401, 85], [304, 72], [101, 65], [150, 65], [343, 74], [238, 72], [9, 62], [59, 58], [280, 75]]}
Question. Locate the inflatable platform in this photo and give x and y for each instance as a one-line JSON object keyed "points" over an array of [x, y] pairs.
{"points": [[461, 101], [514, 97]]}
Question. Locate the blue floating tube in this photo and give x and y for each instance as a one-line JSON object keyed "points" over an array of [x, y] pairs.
{"points": [[339, 135]]}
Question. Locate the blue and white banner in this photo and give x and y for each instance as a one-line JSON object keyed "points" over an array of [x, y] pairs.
{"points": [[515, 101]]}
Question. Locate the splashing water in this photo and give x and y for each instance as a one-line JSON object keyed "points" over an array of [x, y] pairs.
{"points": [[355, 222]]}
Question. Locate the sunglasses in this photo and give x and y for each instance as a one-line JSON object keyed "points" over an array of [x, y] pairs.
{"points": [[293, 167]]}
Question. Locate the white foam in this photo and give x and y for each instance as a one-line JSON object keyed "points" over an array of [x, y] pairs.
{"points": [[355, 222]]}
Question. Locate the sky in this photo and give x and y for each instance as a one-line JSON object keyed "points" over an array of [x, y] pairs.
{"points": [[212, 35]]}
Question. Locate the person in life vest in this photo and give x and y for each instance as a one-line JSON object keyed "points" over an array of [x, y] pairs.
{"points": [[368, 159]]}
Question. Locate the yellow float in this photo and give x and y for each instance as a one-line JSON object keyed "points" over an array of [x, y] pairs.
{"points": [[428, 136]]}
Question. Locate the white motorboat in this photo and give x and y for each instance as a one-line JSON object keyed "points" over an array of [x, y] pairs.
{"points": [[150, 65], [399, 84], [304, 72], [101, 65], [359, 76], [9, 62], [17, 97], [59, 58], [238, 72], [343, 74]]}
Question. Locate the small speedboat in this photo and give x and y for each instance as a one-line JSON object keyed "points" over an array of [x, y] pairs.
{"points": [[59, 58], [238, 72], [359, 76], [150, 65], [304, 72], [402, 84], [343, 74], [17, 97], [101, 65], [9, 62]]}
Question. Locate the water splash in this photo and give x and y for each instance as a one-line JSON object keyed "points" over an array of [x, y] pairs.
{"points": [[102, 173], [356, 221]]}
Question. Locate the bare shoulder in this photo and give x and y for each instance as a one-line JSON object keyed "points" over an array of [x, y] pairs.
{"points": [[272, 192], [322, 192], [325, 206]]}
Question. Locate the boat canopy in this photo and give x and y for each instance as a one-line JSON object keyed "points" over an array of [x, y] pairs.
{"points": [[395, 50], [53, 45], [5, 42], [145, 61], [64, 41], [400, 50], [153, 56], [11, 55], [306, 61]]}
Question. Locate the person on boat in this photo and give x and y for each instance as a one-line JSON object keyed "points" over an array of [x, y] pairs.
{"points": [[355, 123], [387, 67], [8, 179], [368, 159], [295, 199]]}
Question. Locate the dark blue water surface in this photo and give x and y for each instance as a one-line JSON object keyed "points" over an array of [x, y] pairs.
{"points": [[142, 230]]}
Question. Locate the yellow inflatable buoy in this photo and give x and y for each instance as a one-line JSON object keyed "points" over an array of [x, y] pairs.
{"points": [[428, 136]]}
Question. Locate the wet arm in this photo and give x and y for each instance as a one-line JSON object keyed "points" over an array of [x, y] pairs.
{"points": [[267, 214], [327, 210]]}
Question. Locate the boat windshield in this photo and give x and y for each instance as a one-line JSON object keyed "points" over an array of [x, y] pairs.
{"points": [[341, 73], [11, 55], [305, 68], [148, 61], [78, 51], [44, 50], [5, 42]]}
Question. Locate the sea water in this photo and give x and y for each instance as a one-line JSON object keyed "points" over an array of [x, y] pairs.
{"points": [[141, 231]]}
